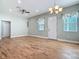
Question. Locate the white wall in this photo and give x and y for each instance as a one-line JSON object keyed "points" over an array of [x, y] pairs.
{"points": [[0, 29], [1, 7], [18, 25]]}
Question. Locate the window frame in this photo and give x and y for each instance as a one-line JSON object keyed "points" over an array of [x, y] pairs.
{"points": [[68, 23], [39, 25]]}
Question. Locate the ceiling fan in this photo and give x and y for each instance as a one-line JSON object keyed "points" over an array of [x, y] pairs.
{"points": [[23, 11]]}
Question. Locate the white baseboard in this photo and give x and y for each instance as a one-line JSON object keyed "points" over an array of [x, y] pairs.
{"points": [[39, 36], [42, 37], [64, 40], [18, 36]]}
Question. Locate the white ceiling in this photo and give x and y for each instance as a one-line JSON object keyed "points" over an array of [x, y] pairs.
{"points": [[33, 5]]}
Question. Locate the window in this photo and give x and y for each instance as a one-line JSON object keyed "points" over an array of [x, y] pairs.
{"points": [[70, 23], [40, 24]]}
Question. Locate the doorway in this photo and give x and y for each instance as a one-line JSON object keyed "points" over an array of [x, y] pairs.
{"points": [[52, 27], [5, 29]]}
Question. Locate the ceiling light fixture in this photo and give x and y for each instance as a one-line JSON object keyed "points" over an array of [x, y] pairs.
{"points": [[56, 9], [37, 11], [10, 10], [19, 1]]}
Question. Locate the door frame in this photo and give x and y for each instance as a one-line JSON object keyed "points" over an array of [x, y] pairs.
{"points": [[2, 28], [56, 26]]}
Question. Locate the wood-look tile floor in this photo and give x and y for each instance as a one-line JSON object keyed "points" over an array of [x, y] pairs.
{"points": [[37, 48]]}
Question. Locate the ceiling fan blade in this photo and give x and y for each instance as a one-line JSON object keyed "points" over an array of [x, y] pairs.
{"points": [[22, 10], [27, 12]]}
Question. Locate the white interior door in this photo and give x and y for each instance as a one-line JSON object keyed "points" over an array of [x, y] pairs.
{"points": [[52, 27], [5, 29]]}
